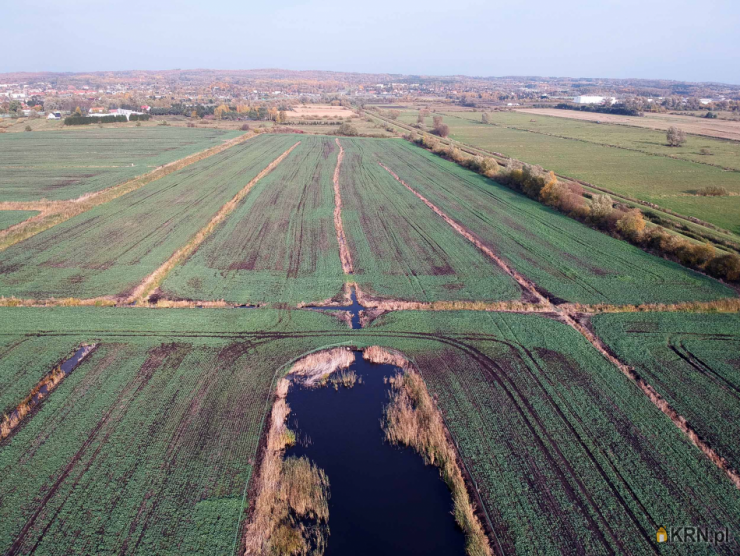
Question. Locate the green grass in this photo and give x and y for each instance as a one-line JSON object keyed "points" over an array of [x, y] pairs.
{"points": [[279, 244], [564, 449], [150, 441], [664, 181], [692, 360], [10, 218], [399, 248], [66, 164], [560, 255], [111, 248]]}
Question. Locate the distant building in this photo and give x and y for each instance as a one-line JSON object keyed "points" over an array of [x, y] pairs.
{"points": [[584, 99], [54, 116]]}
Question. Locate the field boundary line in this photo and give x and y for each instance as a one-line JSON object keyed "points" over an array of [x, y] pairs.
{"points": [[344, 253], [521, 280], [56, 212], [568, 318], [152, 281]]}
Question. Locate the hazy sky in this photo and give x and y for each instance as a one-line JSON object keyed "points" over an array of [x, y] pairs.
{"points": [[693, 40]]}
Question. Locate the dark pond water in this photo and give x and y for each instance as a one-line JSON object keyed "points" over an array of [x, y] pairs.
{"points": [[354, 309], [384, 500]]}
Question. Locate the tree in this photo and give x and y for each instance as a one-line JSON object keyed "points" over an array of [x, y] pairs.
{"points": [[676, 137], [420, 119], [220, 111], [442, 130], [78, 112], [601, 206], [437, 120], [347, 129], [282, 117], [484, 118], [725, 266], [393, 114]]}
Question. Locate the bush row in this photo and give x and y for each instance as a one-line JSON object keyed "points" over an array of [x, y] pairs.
{"points": [[601, 213]]}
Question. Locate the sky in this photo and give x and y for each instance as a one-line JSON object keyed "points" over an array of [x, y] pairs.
{"points": [[688, 40]]}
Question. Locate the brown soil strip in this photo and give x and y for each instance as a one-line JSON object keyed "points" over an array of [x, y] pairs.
{"points": [[569, 318], [56, 212], [344, 254], [523, 282], [153, 281], [43, 388], [729, 305]]}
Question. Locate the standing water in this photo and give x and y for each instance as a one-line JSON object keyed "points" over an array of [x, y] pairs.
{"points": [[353, 309], [384, 500]]}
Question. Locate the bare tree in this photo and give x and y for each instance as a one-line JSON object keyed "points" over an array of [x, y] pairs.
{"points": [[676, 137], [484, 118]]}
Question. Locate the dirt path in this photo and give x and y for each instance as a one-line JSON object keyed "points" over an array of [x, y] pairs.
{"points": [[344, 253], [570, 318], [152, 281]]}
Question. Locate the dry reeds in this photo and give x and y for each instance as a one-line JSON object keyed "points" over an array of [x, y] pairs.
{"points": [[344, 378], [291, 511], [728, 305], [315, 367], [412, 419]]}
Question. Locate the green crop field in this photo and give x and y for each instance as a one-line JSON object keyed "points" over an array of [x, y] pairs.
{"points": [[560, 255], [147, 446], [399, 248], [66, 164], [9, 218], [664, 181], [693, 361], [280, 244], [110, 249]]}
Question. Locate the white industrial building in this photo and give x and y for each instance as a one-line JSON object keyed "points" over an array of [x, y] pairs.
{"points": [[585, 99]]}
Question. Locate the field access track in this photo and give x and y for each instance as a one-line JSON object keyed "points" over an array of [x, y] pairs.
{"points": [[111, 248], [62, 165], [146, 448], [565, 259], [692, 360], [399, 249], [279, 245]]}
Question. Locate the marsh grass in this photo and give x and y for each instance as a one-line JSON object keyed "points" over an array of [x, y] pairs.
{"points": [[412, 419], [291, 511]]}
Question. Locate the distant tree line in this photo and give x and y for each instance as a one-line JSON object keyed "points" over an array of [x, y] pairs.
{"points": [[87, 120]]}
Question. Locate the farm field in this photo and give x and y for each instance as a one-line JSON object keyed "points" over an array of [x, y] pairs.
{"points": [[10, 218], [67, 164], [725, 154], [667, 182], [561, 256], [109, 249], [279, 245], [567, 453], [719, 128], [156, 442], [692, 361], [400, 249]]}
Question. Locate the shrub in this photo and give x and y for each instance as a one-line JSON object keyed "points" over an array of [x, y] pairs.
{"points": [[601, 205], [713, 191], [692, 254], [488, 167], [245, 127], [28, 128], [725, 266], [705, 152], [631, 225], [347, 129], [443, 130]]}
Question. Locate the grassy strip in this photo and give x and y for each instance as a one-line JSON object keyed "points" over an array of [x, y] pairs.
{"points": [[42, 389], [151, 282], [56, 212], [412, 419], [291, 491], [344, 253], [730, 305]]}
